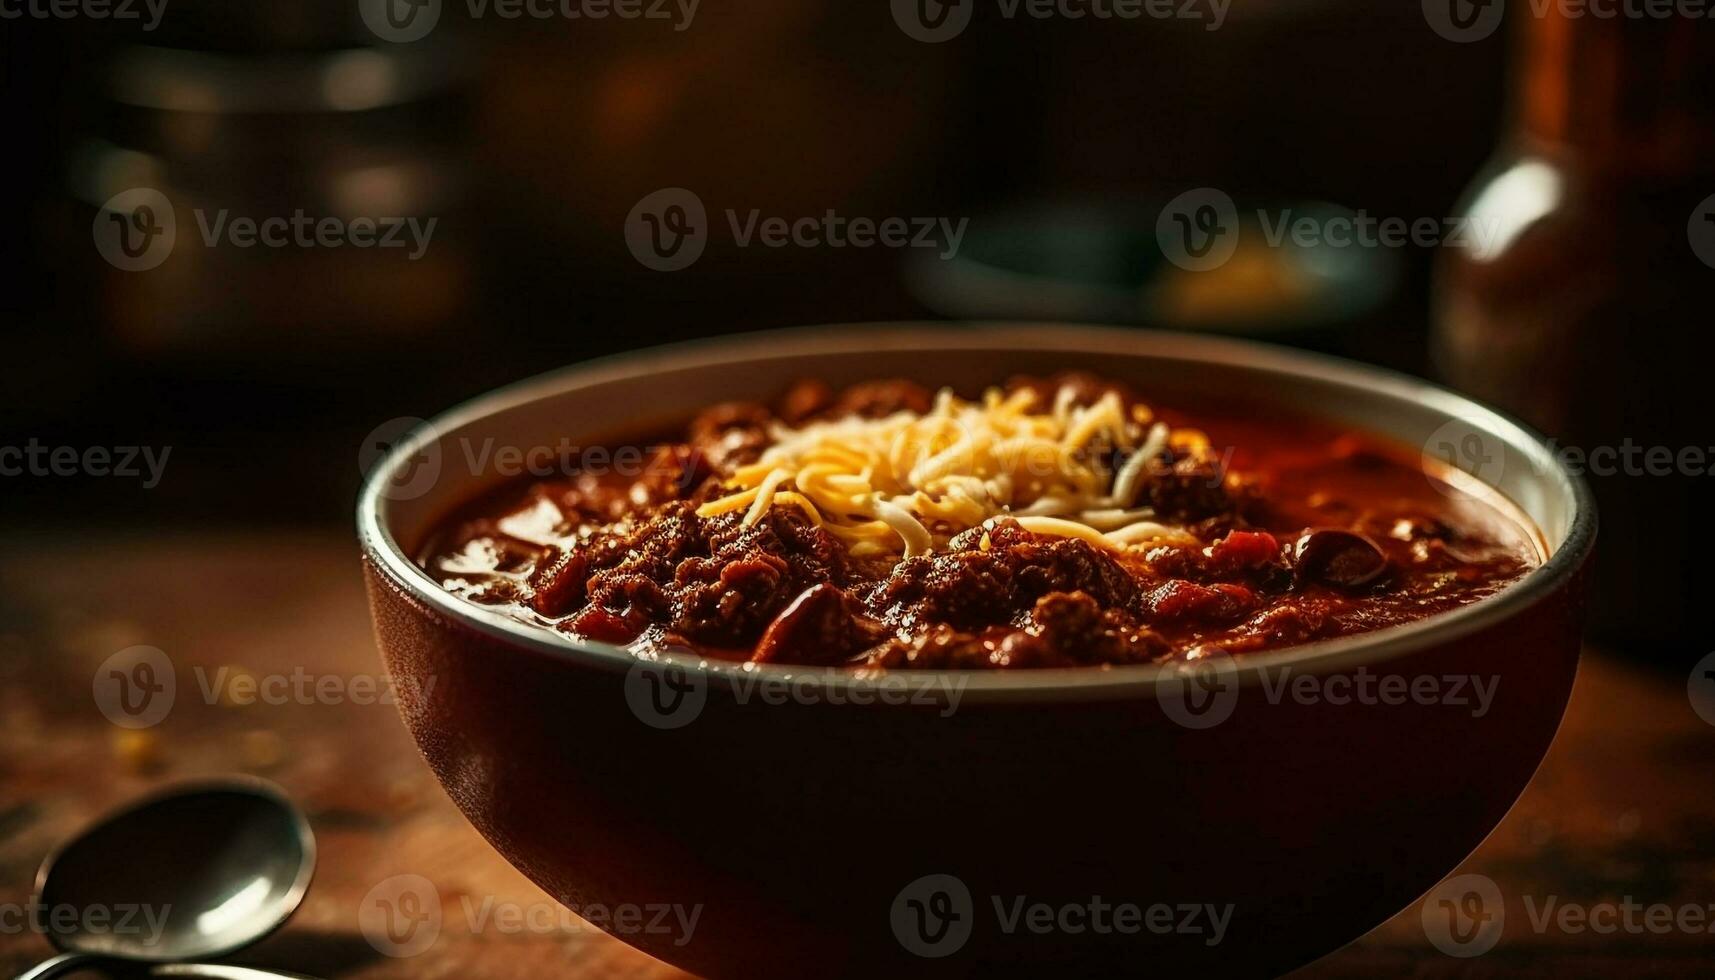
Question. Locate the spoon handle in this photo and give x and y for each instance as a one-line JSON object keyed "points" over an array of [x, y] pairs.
{"points": [[66, 963], [59, 966], [221, 971]]}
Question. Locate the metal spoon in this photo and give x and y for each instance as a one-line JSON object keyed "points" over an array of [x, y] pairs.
{"points": [[194, 873]]}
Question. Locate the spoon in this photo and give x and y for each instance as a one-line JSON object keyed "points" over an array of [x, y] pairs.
{"points": [[194, 873]]}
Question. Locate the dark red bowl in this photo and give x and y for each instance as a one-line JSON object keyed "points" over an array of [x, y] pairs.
{"points": [[823, 824]]}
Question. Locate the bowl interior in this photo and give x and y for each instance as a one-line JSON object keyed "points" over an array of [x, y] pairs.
{"points": [[644, 394]]}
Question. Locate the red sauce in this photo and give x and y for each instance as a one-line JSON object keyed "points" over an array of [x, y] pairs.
{"points": [[1304, 532]]}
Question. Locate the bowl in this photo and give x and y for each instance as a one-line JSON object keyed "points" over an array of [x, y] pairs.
{"points": [[1242, 815]]}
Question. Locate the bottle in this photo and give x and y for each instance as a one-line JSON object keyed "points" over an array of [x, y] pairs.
{"points": [[1580, 300]]}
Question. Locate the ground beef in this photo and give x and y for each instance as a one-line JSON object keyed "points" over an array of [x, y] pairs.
{"points": [[1062, 629], [970, 586], [787, 589], [712, 580]]}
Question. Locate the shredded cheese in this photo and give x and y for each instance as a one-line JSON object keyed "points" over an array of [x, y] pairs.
{"points": [[909, 482]]}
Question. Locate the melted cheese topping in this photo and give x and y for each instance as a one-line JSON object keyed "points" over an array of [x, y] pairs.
{"points": [[909, 482]]}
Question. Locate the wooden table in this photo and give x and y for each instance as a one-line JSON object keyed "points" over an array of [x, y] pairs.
{"points": [[1624, 805]]}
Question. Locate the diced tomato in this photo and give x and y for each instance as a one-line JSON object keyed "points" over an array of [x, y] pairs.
{"points": [[1245, 549], [1221, 602], [601, 624]]}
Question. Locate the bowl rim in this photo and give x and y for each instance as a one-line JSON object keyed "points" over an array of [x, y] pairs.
{"points": [[384, 553]]}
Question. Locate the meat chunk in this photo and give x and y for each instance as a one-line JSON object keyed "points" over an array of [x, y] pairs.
{"points": [[823, 626], [557, 583], [1063, 629], [878, 399], [805, 400], [972, 587], [1187, 490], [710, 580], [732, 433], [1072, 629]]}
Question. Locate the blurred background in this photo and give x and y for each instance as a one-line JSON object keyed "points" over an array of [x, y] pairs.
{"points": [[1582, 142], [531, 140]]}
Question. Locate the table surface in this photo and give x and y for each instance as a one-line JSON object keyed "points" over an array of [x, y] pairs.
{"points": [[1623, 808]]}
